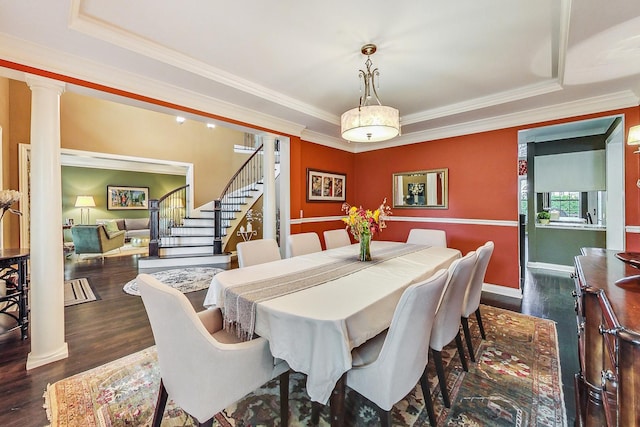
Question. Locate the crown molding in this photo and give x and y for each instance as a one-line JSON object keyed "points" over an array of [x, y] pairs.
{"points": [[597, 104], [114, 35], [33, 55], [328, 141], [529, 91]]}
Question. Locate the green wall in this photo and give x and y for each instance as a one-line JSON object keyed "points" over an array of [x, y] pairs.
{"points": [[560, 246], [78, 181]]}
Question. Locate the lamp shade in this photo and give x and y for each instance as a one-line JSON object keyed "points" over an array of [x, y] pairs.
{"points": [[85, 202], [371, 123], [634, 135]]}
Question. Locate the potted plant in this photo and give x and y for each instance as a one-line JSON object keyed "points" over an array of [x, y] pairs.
{"points": [[543, 217]]}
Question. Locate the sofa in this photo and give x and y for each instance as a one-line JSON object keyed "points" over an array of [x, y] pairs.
{"points": [[96, 239], [132, 227]]}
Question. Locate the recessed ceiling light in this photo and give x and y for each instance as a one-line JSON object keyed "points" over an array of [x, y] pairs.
{"points": [[211, 125], [180, 119]]}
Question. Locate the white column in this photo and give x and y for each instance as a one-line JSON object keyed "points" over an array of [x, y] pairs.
{"points": [[47, 263], [269, 190]]}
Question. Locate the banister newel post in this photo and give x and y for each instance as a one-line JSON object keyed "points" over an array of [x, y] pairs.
{"points": [[154, 226], [217, 225]]}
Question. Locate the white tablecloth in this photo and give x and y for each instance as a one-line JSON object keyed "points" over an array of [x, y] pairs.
{"points": [[315, 329]]}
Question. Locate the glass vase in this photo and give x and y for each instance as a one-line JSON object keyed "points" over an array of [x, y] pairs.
{"points": [[365, 252]]}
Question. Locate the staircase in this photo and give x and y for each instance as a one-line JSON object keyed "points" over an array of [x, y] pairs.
{"points": [[182, 240]]}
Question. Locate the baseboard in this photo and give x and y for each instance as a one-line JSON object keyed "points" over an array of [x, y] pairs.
{"points": [[554, 267], [502, 290]]}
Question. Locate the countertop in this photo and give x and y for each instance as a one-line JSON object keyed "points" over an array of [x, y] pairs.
{"points": [[572, 226]]}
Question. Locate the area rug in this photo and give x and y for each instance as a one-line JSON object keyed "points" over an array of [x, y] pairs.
{"points": [[78, 291], [516, 382], [183, 279]]}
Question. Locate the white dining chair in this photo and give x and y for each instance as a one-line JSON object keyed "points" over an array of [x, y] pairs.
{"points": [[303, 243], [255, 252], [446, 326], [387, 367], [471, 302], [203, 368], [421, 236], [336, 238]]}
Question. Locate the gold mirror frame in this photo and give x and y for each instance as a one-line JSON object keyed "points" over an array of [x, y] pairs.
{"points": [[427, 189]]}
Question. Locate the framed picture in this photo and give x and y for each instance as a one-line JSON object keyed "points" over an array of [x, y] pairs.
{"points": [[323, 186], [124, 198]]}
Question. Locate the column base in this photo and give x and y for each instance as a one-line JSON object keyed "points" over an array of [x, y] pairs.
{"points": [[34, 361]]}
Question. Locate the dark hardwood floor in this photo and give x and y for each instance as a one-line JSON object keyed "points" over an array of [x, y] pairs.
{"points": [[116, 325]]}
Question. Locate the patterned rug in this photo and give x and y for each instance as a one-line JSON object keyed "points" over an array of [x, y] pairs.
{"points": [[77, 291], [516, 382], [183, 279]]}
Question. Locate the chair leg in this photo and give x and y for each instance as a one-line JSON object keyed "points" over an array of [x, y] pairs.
{"points": [[316, 407], [479, 318], [424, 384], [160, 404], [463, 358], [467, 337], [437, 358], [284, 399], [385, 417]]}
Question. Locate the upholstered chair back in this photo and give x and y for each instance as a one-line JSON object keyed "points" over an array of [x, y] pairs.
{"points": [[303, 243], [336, 238], [421, 236], [202, 374], [259, 251], [447, 322], [474, 290], [391, 364]]}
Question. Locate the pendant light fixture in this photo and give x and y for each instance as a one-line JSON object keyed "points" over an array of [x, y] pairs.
{"points": [[370, 121]]}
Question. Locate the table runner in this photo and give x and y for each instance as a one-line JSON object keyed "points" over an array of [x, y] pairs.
{"points": [[240, 301]]}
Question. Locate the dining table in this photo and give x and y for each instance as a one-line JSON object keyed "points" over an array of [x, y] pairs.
{"points": [[314, 309]]}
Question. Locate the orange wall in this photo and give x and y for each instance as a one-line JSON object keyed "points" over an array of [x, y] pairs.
{"points": [[318, 157], [482, 185]]}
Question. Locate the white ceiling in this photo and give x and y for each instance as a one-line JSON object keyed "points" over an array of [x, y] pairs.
{"points": [[292, 66]]}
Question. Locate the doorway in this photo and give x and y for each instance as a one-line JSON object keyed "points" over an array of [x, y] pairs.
{"points": [[575, 173]]}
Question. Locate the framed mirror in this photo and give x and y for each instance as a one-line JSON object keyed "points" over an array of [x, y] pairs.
{"points": [[421, 189]]}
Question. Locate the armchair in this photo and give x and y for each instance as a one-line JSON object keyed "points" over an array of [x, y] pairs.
{"points": [[204, 368], [95, 239]]}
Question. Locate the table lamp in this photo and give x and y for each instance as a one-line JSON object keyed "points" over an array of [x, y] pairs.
{"points": [[84, 202]]}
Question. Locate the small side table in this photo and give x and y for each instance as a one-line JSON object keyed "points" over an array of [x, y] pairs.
{"points": [[13, 270]]}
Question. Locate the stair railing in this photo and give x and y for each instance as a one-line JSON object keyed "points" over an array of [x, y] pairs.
{"points": [[166, 213], [238, 189]]}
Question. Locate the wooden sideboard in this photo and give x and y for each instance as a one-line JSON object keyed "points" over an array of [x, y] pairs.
{"points": [[608, 315]]}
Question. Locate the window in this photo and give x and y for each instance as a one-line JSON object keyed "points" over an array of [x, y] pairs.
{"points": [[566, 202]]}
